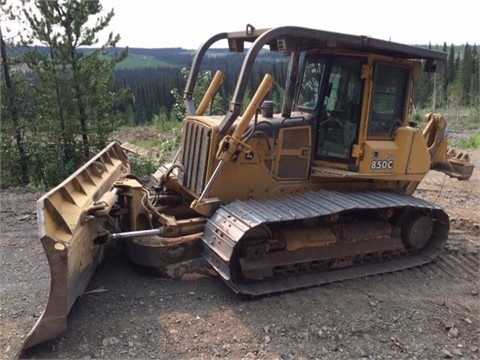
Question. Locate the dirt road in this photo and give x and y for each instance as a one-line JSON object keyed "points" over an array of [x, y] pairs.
{"points": [[431, 312]]}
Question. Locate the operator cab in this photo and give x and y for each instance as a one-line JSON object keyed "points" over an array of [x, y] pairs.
{"points": [[333, 89]]}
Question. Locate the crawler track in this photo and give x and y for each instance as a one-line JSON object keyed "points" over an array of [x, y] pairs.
{"points": [[231, 228]]}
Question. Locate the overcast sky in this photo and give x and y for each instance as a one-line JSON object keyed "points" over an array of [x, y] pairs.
{"points": [[188, 23]]}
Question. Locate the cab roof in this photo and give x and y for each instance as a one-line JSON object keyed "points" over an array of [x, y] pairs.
{"points": [[295, 38]]}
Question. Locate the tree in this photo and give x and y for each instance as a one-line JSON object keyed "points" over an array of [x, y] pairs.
{"points": [[60, 101], [12, 126], [78, 82], [474, 90], [465, 74], [450, 70], [203, 82], [13, 112]]}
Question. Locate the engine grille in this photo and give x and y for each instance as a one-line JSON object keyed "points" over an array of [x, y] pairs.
{"points": [[194, 157]]}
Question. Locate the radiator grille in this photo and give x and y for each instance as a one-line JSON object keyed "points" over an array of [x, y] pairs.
{"points": [[196, 139]]}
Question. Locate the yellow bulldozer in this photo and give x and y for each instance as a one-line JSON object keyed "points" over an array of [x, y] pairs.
{"points": [[275, 196]]}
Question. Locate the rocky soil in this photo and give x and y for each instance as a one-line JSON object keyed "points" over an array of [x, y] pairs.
{"points": [[431, 312]]}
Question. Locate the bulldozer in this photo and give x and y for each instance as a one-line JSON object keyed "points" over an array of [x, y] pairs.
{"points": [[274, 196]]}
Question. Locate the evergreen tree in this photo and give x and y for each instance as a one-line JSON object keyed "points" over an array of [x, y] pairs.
{"points": [[14, 162], [455, 92], [449, 74], [474, 90], [450, 70], [13, 111], [203, 82], [79, 85], [465, 74]]}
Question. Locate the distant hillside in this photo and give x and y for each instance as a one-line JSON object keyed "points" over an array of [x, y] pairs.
{"points": [[178, 57], [153, 58], [139, 58]]}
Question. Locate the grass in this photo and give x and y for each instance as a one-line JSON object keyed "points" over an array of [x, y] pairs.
{"points": [[463, 126], [463, 119], [149, 136], [471, 142]]}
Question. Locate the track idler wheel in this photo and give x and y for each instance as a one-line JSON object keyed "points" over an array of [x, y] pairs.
{"points": [[417, 229]]}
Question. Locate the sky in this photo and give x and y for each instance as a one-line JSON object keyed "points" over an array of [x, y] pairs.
{"points": [[189, 23]]}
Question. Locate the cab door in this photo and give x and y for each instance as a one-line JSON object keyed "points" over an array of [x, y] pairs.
{"points": [[340, 109]]}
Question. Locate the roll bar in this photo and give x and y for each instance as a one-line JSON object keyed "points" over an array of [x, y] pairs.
{"points": [[288, 39]]}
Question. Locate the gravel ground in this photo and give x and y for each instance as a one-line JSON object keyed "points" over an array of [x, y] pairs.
{"points": [[431, 312]]}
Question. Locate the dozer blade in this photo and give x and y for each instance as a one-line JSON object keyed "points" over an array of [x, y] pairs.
{"points": [[68, 226]]}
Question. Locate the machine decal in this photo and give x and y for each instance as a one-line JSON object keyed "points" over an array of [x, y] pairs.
{"points": [[381, 165]]}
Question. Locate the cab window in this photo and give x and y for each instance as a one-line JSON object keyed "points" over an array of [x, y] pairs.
{"points": [[389, 101], [311, 81]]}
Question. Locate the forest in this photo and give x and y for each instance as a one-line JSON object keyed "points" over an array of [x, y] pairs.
{"points": [[64, 94], [151, 74]]}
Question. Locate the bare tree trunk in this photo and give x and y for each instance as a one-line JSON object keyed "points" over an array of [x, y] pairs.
{"points": [[13, 111]]}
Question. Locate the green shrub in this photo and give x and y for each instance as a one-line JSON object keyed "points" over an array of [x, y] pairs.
{"points": [[47, 164], [142, 166], [417, 116], [10, 164]]}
